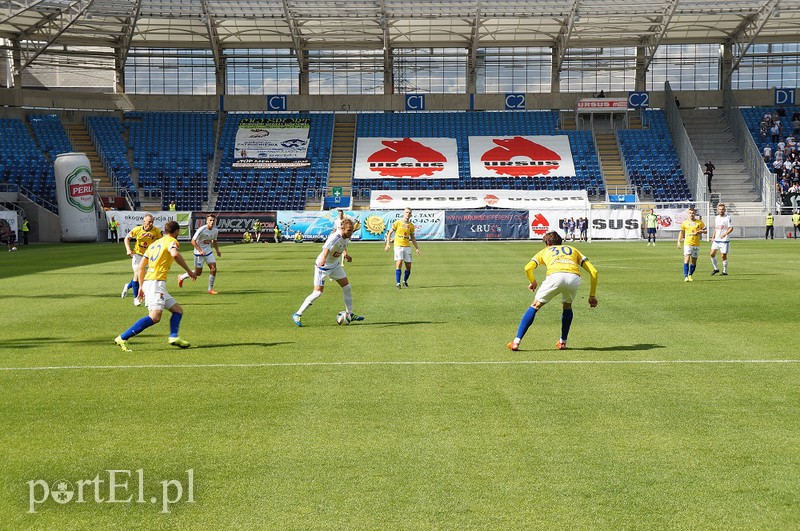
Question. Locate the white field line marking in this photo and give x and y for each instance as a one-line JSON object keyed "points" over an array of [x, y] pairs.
{"points": [[389, 363]]}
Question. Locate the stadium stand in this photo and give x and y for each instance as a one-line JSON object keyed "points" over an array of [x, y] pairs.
{"points": [[23, 163], [651, 160], [273, 189], [106, 133], [462, 125], [172, 151]]}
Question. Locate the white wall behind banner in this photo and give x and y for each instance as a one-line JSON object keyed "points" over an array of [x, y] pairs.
{"points": [[471, 199], [520, 156], [615, 224], [406, 158]]}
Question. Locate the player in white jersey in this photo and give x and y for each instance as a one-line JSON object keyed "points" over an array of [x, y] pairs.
{"points": [[327, 265], [723, 226], [205, 237]]}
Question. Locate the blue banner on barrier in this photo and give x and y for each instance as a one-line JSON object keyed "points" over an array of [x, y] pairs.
{"points": [[428, 224], [486, 224], [314, 224]]}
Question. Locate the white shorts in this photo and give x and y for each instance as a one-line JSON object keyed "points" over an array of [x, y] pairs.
{"points": [[136, 259], [199, 260], [402, 253], [335, 271], [723, 247], [566, 284], [156, 296], [692, 250]]}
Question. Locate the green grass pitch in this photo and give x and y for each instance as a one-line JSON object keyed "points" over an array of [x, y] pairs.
{"points": [[676, 407]]}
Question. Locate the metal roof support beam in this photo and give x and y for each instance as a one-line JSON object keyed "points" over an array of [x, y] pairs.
{"points": [[746, 33], [562, 40], [297, 42], [216, 48], [53, 26], [474, 39], [124, 47], [388, 58], [652, 43], [17, 8]]}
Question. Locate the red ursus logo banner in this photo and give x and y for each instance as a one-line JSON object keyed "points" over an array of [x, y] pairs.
{"points": [[540, 225], [520, 157], [406, 158]]}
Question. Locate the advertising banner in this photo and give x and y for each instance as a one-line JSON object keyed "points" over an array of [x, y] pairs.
{"points": [[315, 224], [616, 224], [520, 156], [232, 225], [602, 104], [542, 221], [486, 225], [406, 158], [129, 219], [513, 199], [272, 143], [428, 224], [670, 219], [8, 225]]}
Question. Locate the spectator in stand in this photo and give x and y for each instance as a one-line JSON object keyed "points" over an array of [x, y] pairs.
{"points": [[793, 192], [777, 167], [767, 153], [768, 118], [709, 174], [781, 112], [788, 166], [763, 128], [775, 132], [796, 124]]}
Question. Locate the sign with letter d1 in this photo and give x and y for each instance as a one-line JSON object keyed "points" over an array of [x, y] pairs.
{"points": [[784, 96]]}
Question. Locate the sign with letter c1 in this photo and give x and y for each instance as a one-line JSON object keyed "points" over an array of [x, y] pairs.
{"points": [[784, 96], [515, 101], [415, 102], [638, 99], [276, 102]]}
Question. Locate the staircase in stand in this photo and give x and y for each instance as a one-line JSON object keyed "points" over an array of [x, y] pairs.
{"points": [[82, 143], [340, 173], [611, 163]]}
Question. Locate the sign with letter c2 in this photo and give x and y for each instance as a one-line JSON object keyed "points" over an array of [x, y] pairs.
{"points": [[515, 101], [638, 99]]}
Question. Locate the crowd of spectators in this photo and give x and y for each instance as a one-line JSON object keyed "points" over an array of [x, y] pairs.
{"points": [[780, 135]]}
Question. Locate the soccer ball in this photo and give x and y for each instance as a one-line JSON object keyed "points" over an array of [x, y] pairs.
{"points": [[13, 248], [343, 318]]}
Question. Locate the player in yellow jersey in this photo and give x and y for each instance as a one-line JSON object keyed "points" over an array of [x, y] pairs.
{"points": [[144, 234], [691, 229], [153, 271], [563, 263], [403, 230]]}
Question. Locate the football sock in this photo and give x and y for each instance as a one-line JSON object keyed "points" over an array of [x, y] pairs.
{"points": [[211, 279], [397, 275], [525, 323], [137, 327], [724, 266], [183, 276], [692, 267], [128, 285], [135, 286], [686, 270], [406, 274], [566, 322], [309, 301], [348, 298], [175, 324], [714, 262]]}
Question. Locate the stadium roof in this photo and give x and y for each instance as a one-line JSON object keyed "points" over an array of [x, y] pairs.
{"points": [[49, 25]]}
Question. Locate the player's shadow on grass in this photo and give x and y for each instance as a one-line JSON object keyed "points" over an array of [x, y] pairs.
{"points": [[251, 344], [27, 342], [398, 323], [617, 348], [51, 296]]}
